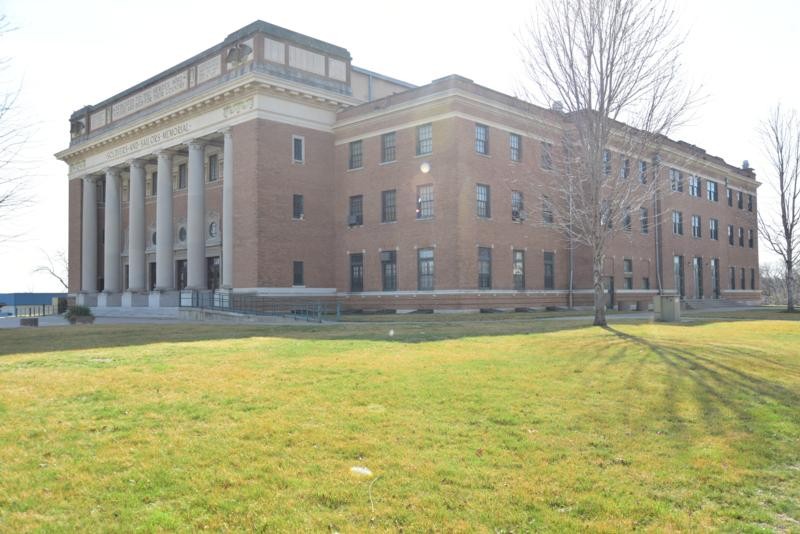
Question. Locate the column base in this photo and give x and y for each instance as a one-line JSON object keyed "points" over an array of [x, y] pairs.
{"points": [[105, 300], [86, 299], [163, 298], [134, 299]]}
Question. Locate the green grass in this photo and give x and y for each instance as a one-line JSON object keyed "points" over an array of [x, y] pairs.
{"points": [[490, 426]]}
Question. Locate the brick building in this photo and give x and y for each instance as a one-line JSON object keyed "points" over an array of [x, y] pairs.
{"points": [[292, 172]]}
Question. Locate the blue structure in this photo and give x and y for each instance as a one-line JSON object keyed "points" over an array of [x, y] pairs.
{"points": [[14, 303]]}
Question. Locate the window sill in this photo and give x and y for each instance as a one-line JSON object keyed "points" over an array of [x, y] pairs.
{"points": [[389, 222], [423, 155], [382, 163], [425, 218], [487, 155], [355, 169]]}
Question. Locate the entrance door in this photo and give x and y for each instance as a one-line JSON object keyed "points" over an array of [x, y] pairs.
{"points": [[715, 277], [212, 272], [677, 264], [151, 275], [697, 268], [180, 273]]}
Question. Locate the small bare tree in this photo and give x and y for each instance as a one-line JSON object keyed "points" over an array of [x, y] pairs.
{"points": [[779, 229], [612, 65], [57, 267]]}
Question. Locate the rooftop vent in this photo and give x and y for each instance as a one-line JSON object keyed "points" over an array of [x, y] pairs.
{"points": [[745, 164]]}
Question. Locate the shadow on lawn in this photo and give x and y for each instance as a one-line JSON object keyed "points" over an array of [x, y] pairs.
{"points": [[720, 387]]}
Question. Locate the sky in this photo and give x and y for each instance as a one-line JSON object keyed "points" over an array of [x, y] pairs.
{"points": [[64, 55]]}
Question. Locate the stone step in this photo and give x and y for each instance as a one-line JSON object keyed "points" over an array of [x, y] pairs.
{"points": [[705, 304], [138, 312]]}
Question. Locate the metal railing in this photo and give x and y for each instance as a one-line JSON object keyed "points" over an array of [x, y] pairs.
{"points": [[306, 310]]}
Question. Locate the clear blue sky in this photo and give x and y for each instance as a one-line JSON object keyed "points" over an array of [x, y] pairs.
{"points": [[69, 54]]}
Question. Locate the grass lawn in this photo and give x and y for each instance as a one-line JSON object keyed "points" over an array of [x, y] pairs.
{"points": [[487, 426]]}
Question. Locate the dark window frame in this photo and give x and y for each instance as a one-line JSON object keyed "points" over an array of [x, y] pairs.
{"points": [[389, 206], [484, 268], [389, 147], [356, 159], [483, 201]]}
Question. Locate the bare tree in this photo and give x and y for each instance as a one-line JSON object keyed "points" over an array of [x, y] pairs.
{"points": [[612, 67], [57, 267], [781, 134], [12, 139]]}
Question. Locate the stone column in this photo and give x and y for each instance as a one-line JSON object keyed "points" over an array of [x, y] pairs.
{"points": [[164, 254], [196, 219], [227, 210], [89, 236], [112, 251], [136, 229]]}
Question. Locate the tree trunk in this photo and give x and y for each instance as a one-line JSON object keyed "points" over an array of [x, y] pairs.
{"points": [[599, 295], [789, 286]]}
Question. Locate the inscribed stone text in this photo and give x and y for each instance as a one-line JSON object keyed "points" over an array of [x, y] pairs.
{"points": [[147, 141], [211, 68], [238, 107], [156, 93]]}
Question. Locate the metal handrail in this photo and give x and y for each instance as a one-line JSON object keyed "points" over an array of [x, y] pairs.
{"points": [[249, 304]]}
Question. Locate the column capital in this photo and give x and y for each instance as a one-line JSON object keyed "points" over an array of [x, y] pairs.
{"points": [[111, 171], [227, 131], [165, 152], [91, 178], [196, 144], [137, 163]]}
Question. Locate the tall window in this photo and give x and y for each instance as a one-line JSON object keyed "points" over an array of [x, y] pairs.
{"points": [[547, 155], [356, 211], [356, 272], [182, 176], [732, 281], [627, 267], [626, 220], [752, 278], [676, 180], [677, 271], [713, 229], [730, 234], [697, 230], [518, 268], [695, 186], [547, 210], [729, 195], [643, 220], [356, 160], [711, 191], [298, 149], [389, 206], [749, 202], [625, 168], [424, 139], [677, 223], [297, 273], [739, 200], [481, 139], [643, 172], [213, 168], [517, 205], [154, 184], [484, 268], [483, 197], [297, 206], [425, 269], [388, 144], [741, 236], [425, 201], [741, 279], [607, 162], [515, 147], [750, 238], [549, 270], [389, 270]]}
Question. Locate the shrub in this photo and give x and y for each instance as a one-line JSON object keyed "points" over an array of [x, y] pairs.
{"points": [[78, 311]]}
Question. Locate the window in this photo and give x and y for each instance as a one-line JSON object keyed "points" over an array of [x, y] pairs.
{"points": [[643, 172], [356, 156], [182, 176], [515, 147], [741, 236], [732, 281], [626, 220], [677, 223], [547, 210], [425, 201], [711, 191], [627, 267], [750, 238], [643, 220], [212, 272], [297, 273], [154, 184], [547, 156], [713, 229], [298, 149], [645, 282], [297, 206], [625, 168], [730, 234], [676, 180], [388, 144], [697, 230], [741, 278], [729, 194], [749, 202], [549, 270], [425, 269], [483, 197], [695, 186], [389, 206], [752, 278], [607, 162], [605, 215], [424, 139], [389, 270], [213, 168], [677, 272], [482, 139], [356, 211], [518, 268], [484, 268], [739, 200], [356, 272], [517, 205]]}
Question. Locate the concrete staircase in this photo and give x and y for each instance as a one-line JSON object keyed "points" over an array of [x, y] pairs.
{"points": [[709, 304]]}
